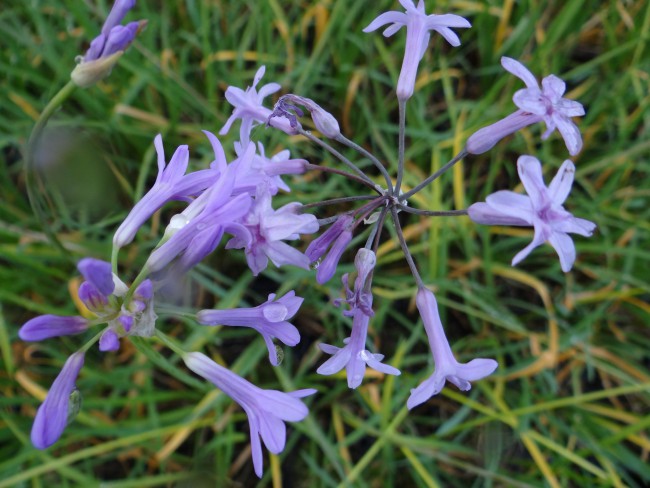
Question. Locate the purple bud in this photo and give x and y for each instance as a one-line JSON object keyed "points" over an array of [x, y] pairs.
{"points": [[109, 341], [319, 246], [484, 139], [46, 326], [92, 298], [126, 321], [324, 121], [52, 415], [145, 290], [328, 267], [119, 38], [99, 273], [117, 13]]}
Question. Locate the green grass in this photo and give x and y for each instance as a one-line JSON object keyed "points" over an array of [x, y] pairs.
{"points": [[569, 404]]}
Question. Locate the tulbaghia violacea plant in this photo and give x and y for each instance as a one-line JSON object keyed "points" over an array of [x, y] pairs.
{"points": [[237, 197]]}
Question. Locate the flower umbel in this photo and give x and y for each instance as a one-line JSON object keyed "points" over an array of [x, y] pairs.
{"points": [[542, 209]]}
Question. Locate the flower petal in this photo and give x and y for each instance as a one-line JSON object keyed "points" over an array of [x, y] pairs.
{"points": [[520, 71], [530, 173], [560, 187], [565, 248], [553, 87], [570, 133], [391, 17]]}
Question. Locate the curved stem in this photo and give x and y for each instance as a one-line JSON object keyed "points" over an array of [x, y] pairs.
{"points": [[405, 249], [402, 133], [335, 153], [353, 145], [29, 163], [432, 213], [434, 176], [350, 176]]}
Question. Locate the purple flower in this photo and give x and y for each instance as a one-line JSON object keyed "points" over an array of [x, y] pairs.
{"points": [[447, 368], [248, 107], [542, 209], [107, 47], [535, 105], [46, 326], [171, 184], [418, 25], [270, 319], [354, 356], [327, 268], [267, 410], [98, 273], [318, 247], [52, 416], [269, 228], [196, 232], [255, 169]]}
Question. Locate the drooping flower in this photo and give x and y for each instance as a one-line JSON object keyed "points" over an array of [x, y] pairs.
{"points": [[248, 107], [271, 319], [446, 366], [269, 228], [354, 356], [171, 184], [52, 416], [267, 410], [535, 104], [107, 47], [418, 24], [542, 209]]}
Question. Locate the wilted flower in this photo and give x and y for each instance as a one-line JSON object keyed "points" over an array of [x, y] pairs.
{"points": [[267, 410], [354, 356], [52, 416], [542, 209], [446, 366], [270, 319], [418, 24], [535, 105]]}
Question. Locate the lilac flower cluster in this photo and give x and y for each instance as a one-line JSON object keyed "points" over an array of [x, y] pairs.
{"points": [[235, 197]]}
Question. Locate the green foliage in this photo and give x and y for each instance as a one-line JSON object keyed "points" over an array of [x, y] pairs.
{"points": [[569, 404]]}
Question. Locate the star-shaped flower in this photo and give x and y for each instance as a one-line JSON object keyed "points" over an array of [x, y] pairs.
{"points": [[535, 104], [418, 24], [542, 209], [248, 106], [447, 368]]}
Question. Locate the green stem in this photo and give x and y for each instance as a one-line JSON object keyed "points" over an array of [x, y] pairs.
{"points": [[169, 343], [30, 170], [402, 133], [434, 176], [353, 145]]}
